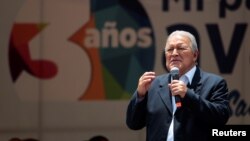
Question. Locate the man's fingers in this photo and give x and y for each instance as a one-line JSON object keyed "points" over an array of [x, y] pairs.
{"points": [[148, 76]]}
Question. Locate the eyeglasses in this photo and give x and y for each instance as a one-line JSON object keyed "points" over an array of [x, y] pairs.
{"points": [[178, 49]]}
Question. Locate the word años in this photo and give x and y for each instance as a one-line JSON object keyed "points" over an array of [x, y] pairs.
{"points": [[110, 36], [216, 132]]}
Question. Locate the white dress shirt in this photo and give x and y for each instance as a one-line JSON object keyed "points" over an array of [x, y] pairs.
{"points": [[186, 78]]}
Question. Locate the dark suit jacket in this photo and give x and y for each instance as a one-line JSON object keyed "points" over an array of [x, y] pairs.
{"points": [[205, 106]]}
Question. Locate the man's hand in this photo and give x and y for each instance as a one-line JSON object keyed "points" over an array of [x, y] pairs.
{"points": [[144, 83], [178, 87]]}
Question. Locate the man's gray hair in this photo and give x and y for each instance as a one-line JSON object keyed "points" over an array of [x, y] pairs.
{"points": [[186, 34]]}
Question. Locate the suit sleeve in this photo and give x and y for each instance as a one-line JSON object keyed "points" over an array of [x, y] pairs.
{"points": [[136, 113]]}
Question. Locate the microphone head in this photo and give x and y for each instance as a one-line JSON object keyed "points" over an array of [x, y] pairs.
{"points": [[175, 73], [175, 69]]}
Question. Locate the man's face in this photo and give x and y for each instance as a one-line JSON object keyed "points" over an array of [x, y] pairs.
{"points": [[178, 52]]}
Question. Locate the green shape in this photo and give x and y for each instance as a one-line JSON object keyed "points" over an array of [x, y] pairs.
{"points": [[101, 16], [126, 95], [134, 72], [112, 88]]}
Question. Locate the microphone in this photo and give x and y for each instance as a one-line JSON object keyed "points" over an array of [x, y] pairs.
{"points": [[175, 75]]}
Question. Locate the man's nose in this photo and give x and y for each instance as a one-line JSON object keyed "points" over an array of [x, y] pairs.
{"points": [[175, 51]]}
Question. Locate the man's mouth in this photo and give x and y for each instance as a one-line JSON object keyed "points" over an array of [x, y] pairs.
{"points": [[175, 61]]}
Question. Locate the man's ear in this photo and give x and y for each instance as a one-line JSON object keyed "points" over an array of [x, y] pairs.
{"points": [[196, 55]]}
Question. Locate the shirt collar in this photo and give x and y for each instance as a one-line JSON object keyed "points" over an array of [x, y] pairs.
{"points": [[190, 74]]}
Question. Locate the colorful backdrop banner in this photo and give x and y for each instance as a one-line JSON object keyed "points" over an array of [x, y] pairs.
{"points": [[69, 67]]}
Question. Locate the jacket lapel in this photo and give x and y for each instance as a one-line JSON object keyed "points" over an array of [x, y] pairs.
{"points": [[196, 82], [164, 93]]}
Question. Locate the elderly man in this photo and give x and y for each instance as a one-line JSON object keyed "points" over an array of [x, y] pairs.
{"points": [[203, 97]]}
